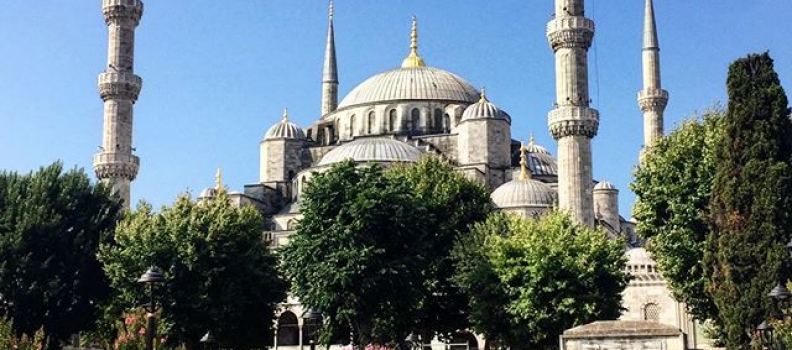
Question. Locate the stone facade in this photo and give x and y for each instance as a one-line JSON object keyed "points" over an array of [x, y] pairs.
{"points": [[623, 335]]}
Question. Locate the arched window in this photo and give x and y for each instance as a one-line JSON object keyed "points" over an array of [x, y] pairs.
{"points": [[352, 126], [392, 120], [446, 122], [371, 122], [415, 118], [438, 120], [651, 312], [462, 341], [288, 331]]}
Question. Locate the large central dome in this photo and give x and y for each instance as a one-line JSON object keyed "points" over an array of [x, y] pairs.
{"points": [[412, 83]]}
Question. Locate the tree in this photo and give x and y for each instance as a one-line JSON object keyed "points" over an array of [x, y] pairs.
{"points": [[751, 198], [673, 186], [529, 280], [359, 252], [51, 225], [220, 273], [454, 203]]}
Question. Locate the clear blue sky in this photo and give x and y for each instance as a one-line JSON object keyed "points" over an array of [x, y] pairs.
{"points": [[217, 73]]}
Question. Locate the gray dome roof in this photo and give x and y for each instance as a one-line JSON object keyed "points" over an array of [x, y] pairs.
{"points": [[413, 83], [284, 130], [372, 150], [542, 164], [534, 148], [484, 109], [605, 185], [209, 192], [523, 193]]}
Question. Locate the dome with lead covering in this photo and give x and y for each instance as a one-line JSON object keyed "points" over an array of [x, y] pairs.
{"points": [[605, 185], [484, 109], [285, 129], [372, 150], [523, 193]]}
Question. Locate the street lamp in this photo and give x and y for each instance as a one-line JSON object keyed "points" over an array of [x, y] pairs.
{"points": [[312, 319], [209, 341], [151, 277]]}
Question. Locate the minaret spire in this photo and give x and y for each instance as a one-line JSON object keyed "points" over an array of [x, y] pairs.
{"points": [[652, 98], [413, 60], [119, 88], [573, 123], [330, 71]]}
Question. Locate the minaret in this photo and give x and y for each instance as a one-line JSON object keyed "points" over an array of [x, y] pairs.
{"points": [[573, 123], [652, 99], [330, 72], [119, 88]]}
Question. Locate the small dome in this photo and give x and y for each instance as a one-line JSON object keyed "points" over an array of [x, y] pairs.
{"points": [[536, 149], [605, 185], [484, 109], [523, 193], [284, 130], [372, 150], [207, 193]]}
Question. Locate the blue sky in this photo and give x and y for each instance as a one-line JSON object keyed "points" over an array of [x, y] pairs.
{"points": [[218, 73]]}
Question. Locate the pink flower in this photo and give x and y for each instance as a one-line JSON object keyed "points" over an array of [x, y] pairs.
{"points": [[142, 330], [129, 320]]}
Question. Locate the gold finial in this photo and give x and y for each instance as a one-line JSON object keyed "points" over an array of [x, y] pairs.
{"points": [[483, 95], [531, 141], [413, 60], [285, 114], [525, 174], [219, 179], [330, 10]]}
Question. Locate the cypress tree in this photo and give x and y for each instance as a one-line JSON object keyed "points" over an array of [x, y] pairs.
{"points": [[751, 199]]}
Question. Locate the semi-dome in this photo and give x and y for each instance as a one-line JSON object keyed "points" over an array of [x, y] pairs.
{"points": [[285, 129], [411, 83], [523, 193], [484, 109], [372, 150]]}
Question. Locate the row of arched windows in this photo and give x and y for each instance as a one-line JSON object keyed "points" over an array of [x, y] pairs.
{"points": [[440, 122]]}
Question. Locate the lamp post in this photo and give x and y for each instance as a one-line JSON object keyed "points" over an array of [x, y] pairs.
{"points": [[780, 296], [151, 277], [209, 342], [312, 319]]}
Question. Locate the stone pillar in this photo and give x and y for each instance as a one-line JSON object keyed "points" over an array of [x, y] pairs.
{"points": [[573, 123], [606, 204], [119, 88]]}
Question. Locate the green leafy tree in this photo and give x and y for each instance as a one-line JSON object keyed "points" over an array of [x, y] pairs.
{"points": [[454, 203], [51, 225], [751, 198], [529, 280], [673, 186], [359, 252], [220, 273]]}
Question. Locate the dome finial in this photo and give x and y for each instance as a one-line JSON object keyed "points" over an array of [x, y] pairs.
{"points": [[285, 114], [483, 95], [330, 10], [525, 174], [219, 179], [531, 141], [413, 60]]}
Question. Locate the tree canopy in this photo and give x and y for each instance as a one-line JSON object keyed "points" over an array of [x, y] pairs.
{"points": [[673, 186], [220, 273], [529, 280], [51, 225], [751, 198]]}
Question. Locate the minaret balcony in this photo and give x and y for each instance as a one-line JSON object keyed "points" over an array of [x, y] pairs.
{"points": [[652, 99], [115, 164], [573, 121], [122, 10], [570, 32], [119, 85]]}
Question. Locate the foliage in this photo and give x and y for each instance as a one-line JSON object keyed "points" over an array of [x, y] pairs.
{"points": [[453, 203], [51, 225], [9, 340], [673, 186], [220, 274], [359, 252], [529, 280], [751, 198]]}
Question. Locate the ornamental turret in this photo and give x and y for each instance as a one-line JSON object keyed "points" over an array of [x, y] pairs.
{"points": [[330, 71], [652, 99], [119, 88], [573, 123]]}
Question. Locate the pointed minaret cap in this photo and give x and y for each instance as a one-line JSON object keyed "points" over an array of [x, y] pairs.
{"points": [[525, 173], [650, 28], [413, 60], [330, 72], [219, 179]]}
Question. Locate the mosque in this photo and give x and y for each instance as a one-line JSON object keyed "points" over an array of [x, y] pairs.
{"points": [[400, 114]]}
